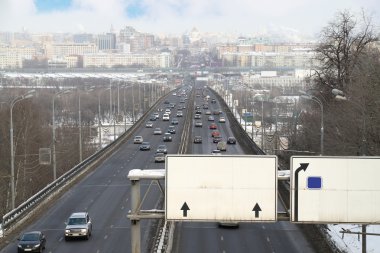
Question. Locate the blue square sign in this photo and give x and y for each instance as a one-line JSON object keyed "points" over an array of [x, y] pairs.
{"points": [[314, 183]]}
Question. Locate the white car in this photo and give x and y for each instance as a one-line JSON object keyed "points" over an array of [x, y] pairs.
{"points": [[138, 139], [157, 131], [222, 120], [165, 117]]}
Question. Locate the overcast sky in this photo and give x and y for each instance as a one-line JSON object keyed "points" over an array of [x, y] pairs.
{"points": [[177, 16]]}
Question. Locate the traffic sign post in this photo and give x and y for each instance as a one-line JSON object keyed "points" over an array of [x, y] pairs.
{"points": [[335, 189], [221, 188]]}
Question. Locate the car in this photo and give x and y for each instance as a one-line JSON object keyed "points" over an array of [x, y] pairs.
{"points": [[205, 106], [222, 146], [213, 126], [174, 121], [198, 111], [168, 111], [216, 152], [198, 139], [162, 149], [213, 101], [216, 112], [171, 130], [157, 131], [211, 118], [215, 133], [179, 113], [149, 124], [167, 102], [145, 146], [198, 124], [78, 225], [222, 120], [167, 137], [33, 241], [231, 140], [159, 157], [228, 224], [208, 112], [165, 117], [172, 105], [138, 139], [157, 115], [197, 116], [152, 118], [216, 139]]}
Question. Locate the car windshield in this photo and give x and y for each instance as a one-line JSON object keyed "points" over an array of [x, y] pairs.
{"points": [[30, 237], [76, 221]]}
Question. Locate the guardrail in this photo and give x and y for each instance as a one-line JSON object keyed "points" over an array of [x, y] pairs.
{"points": [[19, 212]]}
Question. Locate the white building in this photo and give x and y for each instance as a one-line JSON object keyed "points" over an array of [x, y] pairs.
{"points": [[162, 60]]}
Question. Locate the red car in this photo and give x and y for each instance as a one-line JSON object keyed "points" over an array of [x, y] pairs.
{"points": [[215, 133], [213, 126]]}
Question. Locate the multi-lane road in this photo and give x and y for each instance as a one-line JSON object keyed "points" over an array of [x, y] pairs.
{"points": [[105, 194]]}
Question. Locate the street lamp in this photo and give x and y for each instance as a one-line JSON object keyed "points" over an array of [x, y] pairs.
{"points": [[53, 124], [340, 96], [29, 94], [319, 102]]}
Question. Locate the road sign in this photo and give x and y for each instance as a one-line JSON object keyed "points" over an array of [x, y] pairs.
{"points": [[221, 188], [335, 189]]}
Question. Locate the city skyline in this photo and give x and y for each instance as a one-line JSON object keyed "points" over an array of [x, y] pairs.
{"points": [[248, 17]]}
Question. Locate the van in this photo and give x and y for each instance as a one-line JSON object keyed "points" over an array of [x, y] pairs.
{"points": [[165, 117], [222, 146]]}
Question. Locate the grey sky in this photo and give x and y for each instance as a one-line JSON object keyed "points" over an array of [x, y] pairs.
{"points": [[178, 16]]}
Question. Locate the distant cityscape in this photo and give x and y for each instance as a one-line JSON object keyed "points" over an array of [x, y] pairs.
{"points": [[129, 48]]}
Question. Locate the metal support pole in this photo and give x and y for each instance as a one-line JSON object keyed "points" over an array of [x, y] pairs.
{"points": [[12, 163], [99, 124], [262, 125], [135, 224], [364, 238], [80, 129], [54, 157]]}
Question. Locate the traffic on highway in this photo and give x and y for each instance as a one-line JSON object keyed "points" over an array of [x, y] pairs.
{"points": [[92, 215]]}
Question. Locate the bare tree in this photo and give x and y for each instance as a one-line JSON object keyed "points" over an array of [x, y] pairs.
{"points": [[342, 42]]}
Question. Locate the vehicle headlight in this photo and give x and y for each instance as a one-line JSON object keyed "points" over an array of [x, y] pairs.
{"points": [[83, 230], [36, 246], [67, 230], [20, 246]]}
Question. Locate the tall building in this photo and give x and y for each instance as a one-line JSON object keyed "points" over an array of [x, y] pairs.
{"points": [[106, 42]]}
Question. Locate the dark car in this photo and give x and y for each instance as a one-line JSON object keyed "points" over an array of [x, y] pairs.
{"points": [[174, 121], [162, 149], [197, 139], [145, 146], [231, 140], [171, 130], [213, 101], [34, 241], [167, 137], [216, 139]]}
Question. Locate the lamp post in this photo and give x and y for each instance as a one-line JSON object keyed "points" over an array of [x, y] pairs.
{"points": [[99, 120], [53, 125], [339, 95], [319, 102], [29, 94]]}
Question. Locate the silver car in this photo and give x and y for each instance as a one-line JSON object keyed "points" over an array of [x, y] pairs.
{"points": [[78, 225]]}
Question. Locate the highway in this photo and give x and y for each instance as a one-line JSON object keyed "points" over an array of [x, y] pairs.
{"points": [[105, 194], [248, 237]]}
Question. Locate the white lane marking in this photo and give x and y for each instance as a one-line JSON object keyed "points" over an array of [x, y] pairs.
{"points": [[98, 251], [263, 227], [268, 240], [122, 208], [221, 238], [60, 239], [127, 200], [105, 237], [223, 251]]}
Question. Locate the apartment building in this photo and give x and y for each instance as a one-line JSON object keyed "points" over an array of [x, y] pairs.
{"points": [[60, 50], [162, 60]]}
